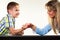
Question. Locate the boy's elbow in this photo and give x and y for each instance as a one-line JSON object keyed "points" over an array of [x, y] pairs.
{"points": [[12, 32]]}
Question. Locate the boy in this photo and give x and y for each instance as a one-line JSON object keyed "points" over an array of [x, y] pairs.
{"points": [[7, 24]]}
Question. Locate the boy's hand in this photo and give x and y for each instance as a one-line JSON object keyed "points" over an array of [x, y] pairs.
{"points": [[20, 33]]}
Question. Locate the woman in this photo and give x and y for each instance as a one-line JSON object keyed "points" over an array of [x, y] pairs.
{"points": [[54, 20], [53, 10]]}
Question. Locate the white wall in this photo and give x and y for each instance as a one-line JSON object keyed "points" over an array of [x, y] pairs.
{"points": [[31, 11]]}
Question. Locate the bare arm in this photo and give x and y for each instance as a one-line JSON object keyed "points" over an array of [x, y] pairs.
{"points": [[14, 31]]}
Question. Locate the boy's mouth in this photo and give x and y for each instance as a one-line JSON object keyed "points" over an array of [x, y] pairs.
{"points": [[17, 14]]}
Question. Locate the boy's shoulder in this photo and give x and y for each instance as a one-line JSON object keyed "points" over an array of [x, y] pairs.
{"points": [[5, 17]]}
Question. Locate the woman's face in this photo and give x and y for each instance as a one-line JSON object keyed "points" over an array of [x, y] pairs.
{"points": [[51, 13]]}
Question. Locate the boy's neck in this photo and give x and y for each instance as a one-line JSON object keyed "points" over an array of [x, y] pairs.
{"points": [[10, 15]]}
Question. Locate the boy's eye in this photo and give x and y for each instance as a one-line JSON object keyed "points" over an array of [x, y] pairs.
{"points": [[17, 10]]}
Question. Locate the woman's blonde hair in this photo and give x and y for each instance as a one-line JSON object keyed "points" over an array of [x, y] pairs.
{"points": [[55, 6], [58, 15]]}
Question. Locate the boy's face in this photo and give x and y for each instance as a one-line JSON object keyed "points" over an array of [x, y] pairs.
{"points": [[14, 11]]}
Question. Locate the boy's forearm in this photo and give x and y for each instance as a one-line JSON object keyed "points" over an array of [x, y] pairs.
{"points": [[15, 31], [19, 30]]}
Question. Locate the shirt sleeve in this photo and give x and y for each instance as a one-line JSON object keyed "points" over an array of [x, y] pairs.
{"points": [[43, 31], [9, 22], [2, 22]]}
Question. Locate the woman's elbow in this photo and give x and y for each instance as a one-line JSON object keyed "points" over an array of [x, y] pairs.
{"points": [[41, 33]]}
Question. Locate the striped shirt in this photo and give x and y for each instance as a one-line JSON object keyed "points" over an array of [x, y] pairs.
{"points": [[7, 22]]}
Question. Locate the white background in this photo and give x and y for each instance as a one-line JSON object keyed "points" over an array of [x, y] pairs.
{"points": [[31, 11]]}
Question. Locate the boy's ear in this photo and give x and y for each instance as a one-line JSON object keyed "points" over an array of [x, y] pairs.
{"points": [[9, 11]]}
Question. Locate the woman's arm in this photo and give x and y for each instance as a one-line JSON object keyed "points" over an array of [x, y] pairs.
{"points": [[43, 31]]}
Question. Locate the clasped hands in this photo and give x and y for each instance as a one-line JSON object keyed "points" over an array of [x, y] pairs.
{"points": [[25, 26]]}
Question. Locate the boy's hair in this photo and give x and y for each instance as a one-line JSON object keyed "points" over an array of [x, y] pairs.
{"points": [[11, 5]]}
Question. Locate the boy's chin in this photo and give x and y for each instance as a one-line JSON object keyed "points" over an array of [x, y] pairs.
{"points": [[15, 16]]}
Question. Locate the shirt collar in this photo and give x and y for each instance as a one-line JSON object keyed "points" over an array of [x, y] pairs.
{"points": [[10, 16]]}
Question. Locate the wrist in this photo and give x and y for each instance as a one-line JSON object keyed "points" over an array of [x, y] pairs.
{"points": [[33, 28], [23, 28]]}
